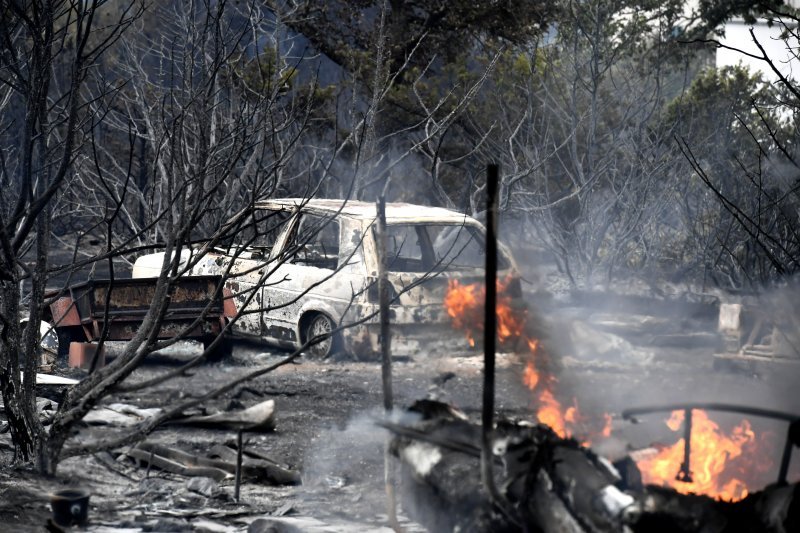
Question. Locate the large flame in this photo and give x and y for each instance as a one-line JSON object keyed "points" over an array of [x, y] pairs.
{"points": [[713, 458]]}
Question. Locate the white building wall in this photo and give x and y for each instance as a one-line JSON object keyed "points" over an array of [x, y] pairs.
{"points": [[737, 35]]}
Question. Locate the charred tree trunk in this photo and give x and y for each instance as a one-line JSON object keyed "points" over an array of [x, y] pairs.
{"points": [[13, 396], [46, 49]]}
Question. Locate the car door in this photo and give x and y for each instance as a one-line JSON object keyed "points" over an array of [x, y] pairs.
{"points": [[249, 251], [313, 275]]}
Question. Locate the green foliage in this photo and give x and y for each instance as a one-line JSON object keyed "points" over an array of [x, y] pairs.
{"points": [[264, 74], [739, 207], [717, 96]]}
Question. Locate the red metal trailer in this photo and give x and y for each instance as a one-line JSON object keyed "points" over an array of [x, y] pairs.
{"points": [[81, 313]]}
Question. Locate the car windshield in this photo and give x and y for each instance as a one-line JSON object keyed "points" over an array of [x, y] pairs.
{"points": [[260, 229], [427, 247]]}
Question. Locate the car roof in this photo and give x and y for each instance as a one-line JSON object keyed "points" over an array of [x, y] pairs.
{"points": [[396, 212]]}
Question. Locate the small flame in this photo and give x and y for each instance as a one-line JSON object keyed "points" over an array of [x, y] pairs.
{"points": [[464, 304], [675, 420], [607, 427], [549, 413], [530, 377]]}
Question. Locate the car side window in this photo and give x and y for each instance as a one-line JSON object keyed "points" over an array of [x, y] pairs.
{"points": [[407, 248], [424, 247], [314, 242], [459, 246]]}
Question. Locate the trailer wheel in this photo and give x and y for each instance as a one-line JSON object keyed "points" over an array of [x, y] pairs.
{"points": [[320, 324], [222, 350], [67, 335]]}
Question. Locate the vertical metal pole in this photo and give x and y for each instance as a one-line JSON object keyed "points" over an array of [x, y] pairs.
{"points": [[685, 473], [489, 329], [786, 458], [239, 451], [383, 291], [149, 464]]}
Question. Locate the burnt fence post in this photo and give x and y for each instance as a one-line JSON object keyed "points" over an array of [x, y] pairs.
{"points": [[386, 359], [489, 331]]}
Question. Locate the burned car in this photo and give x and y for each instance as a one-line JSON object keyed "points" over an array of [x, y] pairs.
{"points": [[300, 268]]}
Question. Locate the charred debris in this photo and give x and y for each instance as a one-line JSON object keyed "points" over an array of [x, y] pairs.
{"points": [[548, 483]]}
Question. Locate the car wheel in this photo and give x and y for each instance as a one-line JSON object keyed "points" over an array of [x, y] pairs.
{"points": [[321, 325]]}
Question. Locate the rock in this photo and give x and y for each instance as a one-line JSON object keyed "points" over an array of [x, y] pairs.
{"points": [[267, 525], [203, 485], [167, 525], [590, 344], [203, 525], [443, 378]]}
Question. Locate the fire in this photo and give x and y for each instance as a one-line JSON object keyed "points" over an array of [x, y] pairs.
{"points": [[549, 413], [713, 458], [530, 377], [675, 420], [717, 459], [464, 305], [607, 427]]}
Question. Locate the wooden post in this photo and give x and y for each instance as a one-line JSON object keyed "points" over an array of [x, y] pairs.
{"points": [[386, 358], [792, 440], [383, 292], [239, 446], [489, 331]]}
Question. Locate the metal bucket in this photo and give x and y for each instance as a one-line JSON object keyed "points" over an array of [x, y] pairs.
{"points": [[70, 507]]}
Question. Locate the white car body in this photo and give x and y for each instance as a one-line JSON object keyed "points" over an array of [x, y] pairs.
{"points": [[322, 261]]}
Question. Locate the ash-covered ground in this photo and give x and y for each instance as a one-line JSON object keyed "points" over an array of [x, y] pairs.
{"points": [[613, 351], [324, 429]]}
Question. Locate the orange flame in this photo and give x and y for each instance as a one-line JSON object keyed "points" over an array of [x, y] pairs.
{"points": [[607, 427], [712, 454], [464, 304], [549, 413], [530, 377]]}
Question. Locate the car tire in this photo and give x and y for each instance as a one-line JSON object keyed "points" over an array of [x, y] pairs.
{"points": [[321, 324]]}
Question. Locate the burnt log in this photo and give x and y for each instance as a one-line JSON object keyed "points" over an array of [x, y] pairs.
{"points": [[215, 467], [547, 483]]}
